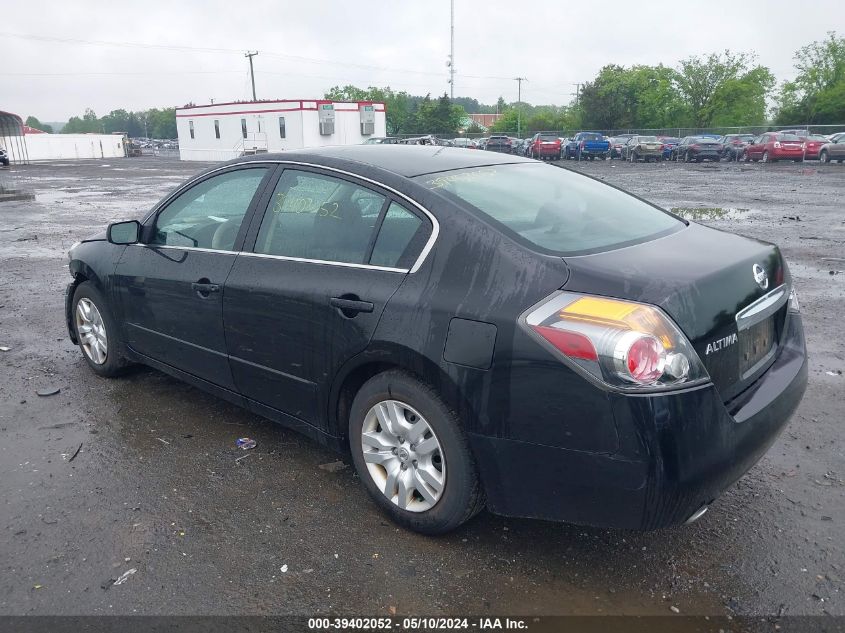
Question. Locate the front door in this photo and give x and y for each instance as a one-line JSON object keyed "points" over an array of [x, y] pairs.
{"points": [[329, 254], [169, 290]]}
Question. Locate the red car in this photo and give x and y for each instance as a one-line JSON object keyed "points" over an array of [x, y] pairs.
{"points": [[812, 144], [774, 146], [544, 146]]}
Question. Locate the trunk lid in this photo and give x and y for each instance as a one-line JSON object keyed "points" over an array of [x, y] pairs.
{"points": [[702, 278]]}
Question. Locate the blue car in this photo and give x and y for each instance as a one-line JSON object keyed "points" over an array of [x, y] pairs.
{"points": [[669, 143]]}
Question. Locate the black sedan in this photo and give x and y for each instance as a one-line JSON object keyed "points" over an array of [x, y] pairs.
{"points": [[698, 148], [477, 330]]}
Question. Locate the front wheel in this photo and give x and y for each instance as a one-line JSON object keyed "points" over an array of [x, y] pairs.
{"points": [[824, 158], [766, 157], [96, 331], [412, 455]]}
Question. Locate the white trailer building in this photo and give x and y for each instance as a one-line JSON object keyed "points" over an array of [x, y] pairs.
{"points": [[222, 131]]}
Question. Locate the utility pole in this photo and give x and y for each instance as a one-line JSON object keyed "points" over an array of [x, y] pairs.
{"points": [[451, 62], [519, 81], [577, 93], [251, 73]]}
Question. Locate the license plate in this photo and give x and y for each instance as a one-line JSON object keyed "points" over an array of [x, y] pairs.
{"points": [[755, 345]]}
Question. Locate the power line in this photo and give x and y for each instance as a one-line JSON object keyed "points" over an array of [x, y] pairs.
{"points": [[204, 49]]}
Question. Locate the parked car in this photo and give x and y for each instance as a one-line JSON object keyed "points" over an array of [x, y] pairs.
{"points": [[498, 143], [697, 148], [734, 145], [646, 148], [617, 145], [544, 146], [774, 146], [835, 138], [587, 145], [468, 143], [812, 146], [833, 151], [518, 146], [427, 310], [669, 143], [382, 140], [4, 157], [481, 143]]}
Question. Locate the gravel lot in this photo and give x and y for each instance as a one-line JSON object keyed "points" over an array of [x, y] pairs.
{"points": [[155, 486]]}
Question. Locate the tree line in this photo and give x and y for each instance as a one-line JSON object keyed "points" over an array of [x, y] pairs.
{"points": [[725, 89], [152, 123]]}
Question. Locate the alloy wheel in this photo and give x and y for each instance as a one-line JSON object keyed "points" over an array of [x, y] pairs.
{"points": [[403, 456], [92, 331]]}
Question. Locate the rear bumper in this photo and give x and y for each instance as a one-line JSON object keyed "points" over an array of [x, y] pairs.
{"points": [[786, 154], [677, 453], [594, 151]]}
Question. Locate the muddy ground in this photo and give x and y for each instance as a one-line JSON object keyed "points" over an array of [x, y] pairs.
{"points": [[155, 486]]}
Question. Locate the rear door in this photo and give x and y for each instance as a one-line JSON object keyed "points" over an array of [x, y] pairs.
{"points": [[169, 290], [329, 252]]}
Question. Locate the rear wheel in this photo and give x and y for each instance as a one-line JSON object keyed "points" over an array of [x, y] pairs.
{"points": [[96, 331], [412, 455]]}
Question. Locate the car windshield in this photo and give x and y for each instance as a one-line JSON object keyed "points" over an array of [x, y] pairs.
{"points": [[555, 210], [703, 139], [670, 139]]}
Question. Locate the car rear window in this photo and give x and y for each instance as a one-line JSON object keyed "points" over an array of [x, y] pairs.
{"points": [[648, 139], [788, 137], [591, 137], [548, 137], [554, 210]]}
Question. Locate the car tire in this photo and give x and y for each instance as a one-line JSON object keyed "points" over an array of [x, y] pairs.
{"points": [[765, 158], [403, 404], [96, 331], [686, 157], [824, 158]]}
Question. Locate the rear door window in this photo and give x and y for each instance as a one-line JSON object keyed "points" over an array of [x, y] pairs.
{"points": [[319, 217], [400, 239]]}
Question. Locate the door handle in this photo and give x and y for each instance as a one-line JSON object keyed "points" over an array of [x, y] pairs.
{"points": [[350, 307], [204, 288]]}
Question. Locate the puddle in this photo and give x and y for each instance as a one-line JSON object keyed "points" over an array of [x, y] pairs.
{"points": [[710, 213], [14, 195]]}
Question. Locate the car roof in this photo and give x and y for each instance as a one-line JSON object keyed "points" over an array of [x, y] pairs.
{"points": [[404, 160]]}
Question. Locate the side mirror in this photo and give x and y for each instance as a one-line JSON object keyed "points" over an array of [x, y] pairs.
{"points": [[124, 232]]}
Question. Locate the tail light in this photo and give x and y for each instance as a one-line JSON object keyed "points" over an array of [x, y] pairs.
{"points": [[621, 344], [582, 144], [662, 147], [695, 146], [777, 145]]}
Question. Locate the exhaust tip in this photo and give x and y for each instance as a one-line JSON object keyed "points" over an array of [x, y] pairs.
{"points": [[697, 515]]}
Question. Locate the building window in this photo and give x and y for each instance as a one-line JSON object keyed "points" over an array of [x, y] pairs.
{"points": [[243, 127], [191, 128], [281, 127], [216, 128]]}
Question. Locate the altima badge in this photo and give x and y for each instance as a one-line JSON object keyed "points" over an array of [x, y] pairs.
{"points": [[760, 276]]}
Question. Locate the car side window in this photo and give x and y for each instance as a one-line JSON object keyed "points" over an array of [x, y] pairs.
{"points": [[319, 217], [400, 239], [209, 214]]}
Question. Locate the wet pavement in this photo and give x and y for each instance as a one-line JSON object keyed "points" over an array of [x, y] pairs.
{"points": [[142, 473]]}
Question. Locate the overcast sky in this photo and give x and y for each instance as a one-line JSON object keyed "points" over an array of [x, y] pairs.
{"points": [[307, 47]]}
